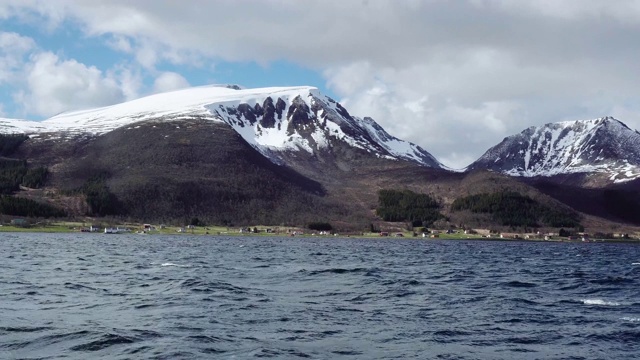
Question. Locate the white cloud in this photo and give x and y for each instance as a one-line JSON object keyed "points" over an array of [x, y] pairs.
{"points": [[43, 84], [120, 43], [13, 49], [168, 81], [416, 113], [130, 81], [54, 85], [147, 55]]}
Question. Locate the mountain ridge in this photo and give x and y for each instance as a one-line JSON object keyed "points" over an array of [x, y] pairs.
{"points": [[272, 120], [292, 155], [605, 147], [278, 121]]}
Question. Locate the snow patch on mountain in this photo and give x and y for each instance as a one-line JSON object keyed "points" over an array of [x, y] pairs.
{"points": [[603, 145], [15, 126], [273, 120], [397, 147]]}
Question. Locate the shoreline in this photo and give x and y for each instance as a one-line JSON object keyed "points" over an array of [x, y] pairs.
{"points": [[202, 231]]}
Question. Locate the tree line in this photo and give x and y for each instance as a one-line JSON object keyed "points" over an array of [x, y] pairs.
{"points": [[14, 173], [514, 209], [406, 205], [10, 143], [98, 196], [623, 204], [15, 206]]}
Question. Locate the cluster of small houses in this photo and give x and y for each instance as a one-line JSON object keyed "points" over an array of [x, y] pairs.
{"points": [[151, 228], [106, 230], [488, 234], [290, 232], [429, 234], [118, 230], [255, 230], [145, 229]]}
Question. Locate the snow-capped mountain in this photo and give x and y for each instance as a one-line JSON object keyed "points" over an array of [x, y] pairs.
{"points": [[273, 120], [602, 146]]}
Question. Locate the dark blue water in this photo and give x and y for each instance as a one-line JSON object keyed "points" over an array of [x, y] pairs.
{"points": [[88, 296]]}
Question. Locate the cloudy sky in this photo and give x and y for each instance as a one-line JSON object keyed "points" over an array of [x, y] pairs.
{"points": [[455, 77]]}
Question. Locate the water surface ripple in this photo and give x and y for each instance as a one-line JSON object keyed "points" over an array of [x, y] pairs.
{"points": [[81, 296]]}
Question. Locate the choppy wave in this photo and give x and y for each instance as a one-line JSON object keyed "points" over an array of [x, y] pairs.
{"points": [[600, 302], [631, 319], [520, 284], [102, 342], [72, 296], [175, 265]]}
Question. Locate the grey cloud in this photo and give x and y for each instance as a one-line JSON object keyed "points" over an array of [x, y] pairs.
{"points": [[385, 33]]}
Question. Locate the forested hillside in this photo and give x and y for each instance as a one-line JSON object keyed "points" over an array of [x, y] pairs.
{"points": [[406, 205], [513, 209]]}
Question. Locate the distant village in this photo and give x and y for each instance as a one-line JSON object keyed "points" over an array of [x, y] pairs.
{"points": [[562, 235], [548, 236]]}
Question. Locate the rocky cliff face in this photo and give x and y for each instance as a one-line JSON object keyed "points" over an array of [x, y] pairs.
{"points": [[604, 147], [302, 119]]}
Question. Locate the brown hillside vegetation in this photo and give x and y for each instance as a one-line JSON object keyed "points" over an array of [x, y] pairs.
{"points": [[174, 171]]}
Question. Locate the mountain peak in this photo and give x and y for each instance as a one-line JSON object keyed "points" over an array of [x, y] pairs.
{"points": [[605, 146]]}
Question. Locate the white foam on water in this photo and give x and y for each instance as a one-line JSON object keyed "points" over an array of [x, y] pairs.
{"points": [[638, 263], [172, 264], [630, 319], [599, 302]]}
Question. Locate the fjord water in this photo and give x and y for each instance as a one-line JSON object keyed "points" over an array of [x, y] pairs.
{"points": [[89, 296]]}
